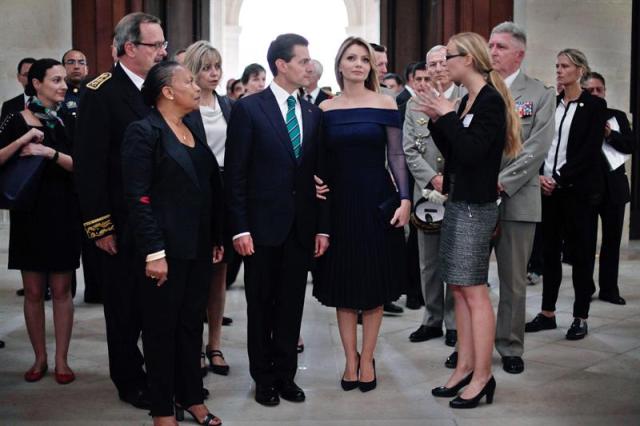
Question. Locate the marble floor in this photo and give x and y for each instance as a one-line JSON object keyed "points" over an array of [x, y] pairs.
{"points": [[591, 382]]}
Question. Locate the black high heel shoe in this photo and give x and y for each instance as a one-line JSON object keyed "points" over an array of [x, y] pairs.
{"points": [[445, 392], [348, 385], [207, 421], [222, 370], [369, 386], [488, 390]]}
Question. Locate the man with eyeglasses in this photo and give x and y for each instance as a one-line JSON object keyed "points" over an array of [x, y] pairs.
{"points": [[75, 62], [426, 164], [18, 103], [109, 104]]}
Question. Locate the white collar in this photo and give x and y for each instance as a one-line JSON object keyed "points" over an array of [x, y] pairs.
{"points": [[509, 80], [135, 78], [314, 93], [281, 94], [449, 91], [410, 90]]}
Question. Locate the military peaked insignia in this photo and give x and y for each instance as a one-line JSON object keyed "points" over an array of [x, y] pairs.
{"points": [[524, 109], [421, 121], [99, 81]]}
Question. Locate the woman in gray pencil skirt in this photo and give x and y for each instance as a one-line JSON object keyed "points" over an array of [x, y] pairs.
{"points": [[472, 141]]}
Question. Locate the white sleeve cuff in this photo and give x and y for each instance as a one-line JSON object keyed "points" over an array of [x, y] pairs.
{"points": [[242, 234], [324, 235], [155, 256]]}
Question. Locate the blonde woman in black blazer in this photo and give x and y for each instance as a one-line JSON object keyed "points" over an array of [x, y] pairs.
{"points": [[174, 194], [473, 141], [572, 187]]}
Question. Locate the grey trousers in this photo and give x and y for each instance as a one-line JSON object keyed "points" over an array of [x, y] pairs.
{"points": [[439, 303], [513, 248]]}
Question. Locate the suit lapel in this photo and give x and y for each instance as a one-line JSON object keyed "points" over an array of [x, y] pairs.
{"points": [[174, 148], [306, 127], [130, 93], [271, 109], [518, 86]]}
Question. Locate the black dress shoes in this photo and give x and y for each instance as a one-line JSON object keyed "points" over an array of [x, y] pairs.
{"points": [[267, 395], [413, 302], [451, 338], [616, 300], [445, 392], [452, 360], [424, 333], [392, 308], [488, 391], [139, 398], [578, 329], [512, 364], [539, 323], [290, 391]]}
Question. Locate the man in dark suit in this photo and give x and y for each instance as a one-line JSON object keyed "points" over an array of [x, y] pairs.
{"points": [[311, 92], [618, 145], [409, 91], [17, 103], [272, 155], [110, 103]]}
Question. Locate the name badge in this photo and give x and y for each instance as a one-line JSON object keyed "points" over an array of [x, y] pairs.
{"points": [[524, 109], [467, 120]]}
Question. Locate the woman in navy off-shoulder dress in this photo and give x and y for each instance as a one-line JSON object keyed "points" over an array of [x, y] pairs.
{"points": [[364, 265]]}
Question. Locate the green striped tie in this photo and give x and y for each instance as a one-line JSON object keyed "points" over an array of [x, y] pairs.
{"points": [[292, 126]]}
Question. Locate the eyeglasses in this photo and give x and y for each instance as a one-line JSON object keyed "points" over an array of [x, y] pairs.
{"points": [[157, 45], [80, 62], [448, 57]]}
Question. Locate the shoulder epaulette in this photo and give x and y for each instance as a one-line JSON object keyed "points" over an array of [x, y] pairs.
{"points": [[99, 81]]}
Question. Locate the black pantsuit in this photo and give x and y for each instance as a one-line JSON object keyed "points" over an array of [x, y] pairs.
{"points": [[275, 283], [569, 213], [566, 213], [174, 194], [172, 333], [611, 209]]}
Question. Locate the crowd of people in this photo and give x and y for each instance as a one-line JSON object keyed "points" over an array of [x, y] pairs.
{"points": [[396, 184]]}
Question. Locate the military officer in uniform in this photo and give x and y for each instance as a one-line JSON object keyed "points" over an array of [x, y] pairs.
{"points": [[110, 103], [520, 189], [426, 164]]}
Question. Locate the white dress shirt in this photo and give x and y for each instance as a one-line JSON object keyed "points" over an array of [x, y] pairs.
{"points": [[558, 151], [135, 78], [314, 95], [281, 98], [215, 128], [509, 80]]}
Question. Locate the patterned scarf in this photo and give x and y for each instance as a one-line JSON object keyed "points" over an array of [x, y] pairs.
{"points": [[49, 116]]}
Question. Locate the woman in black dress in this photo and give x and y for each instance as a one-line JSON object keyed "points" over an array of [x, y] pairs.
{"points": [[174, 193], [473, 141], [45, 239], [364, 266]]}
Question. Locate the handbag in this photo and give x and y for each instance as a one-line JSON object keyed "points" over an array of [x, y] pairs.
{"points": [[388, 208], [19, 182]]}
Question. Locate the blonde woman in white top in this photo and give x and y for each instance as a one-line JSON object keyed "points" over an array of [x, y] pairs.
{"points": [[205, 63]]}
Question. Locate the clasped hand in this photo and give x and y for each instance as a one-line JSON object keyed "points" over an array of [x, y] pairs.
{"points": [[433, 102]]}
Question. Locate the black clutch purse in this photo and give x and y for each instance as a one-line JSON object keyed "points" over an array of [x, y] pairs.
{"points": [[388, 208], [19, 182]]}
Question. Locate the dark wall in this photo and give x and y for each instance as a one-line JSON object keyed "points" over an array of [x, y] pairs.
{"points": [[409, 28], [184, 21]]}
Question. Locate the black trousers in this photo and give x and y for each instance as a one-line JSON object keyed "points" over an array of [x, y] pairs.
{"points": [[414, 284], [172, 333], [536, 260], [275, 283], [92, 272], [123, 318], [567, 215], [612, 217]]}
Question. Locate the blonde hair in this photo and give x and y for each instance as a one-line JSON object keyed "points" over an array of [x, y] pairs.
{"points": [[578, 59], [200, 53], [371, 82], [475, 46]]}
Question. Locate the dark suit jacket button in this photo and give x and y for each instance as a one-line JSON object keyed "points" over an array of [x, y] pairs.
{"points": [[293, 192]]}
